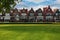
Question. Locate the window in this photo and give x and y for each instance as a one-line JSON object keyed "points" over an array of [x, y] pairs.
{"points": [[23, 14], [17, 17], [23, 17], [49, 17], [1, 18], [56, 14], [31, 14], [39, 14], [7, 16]]}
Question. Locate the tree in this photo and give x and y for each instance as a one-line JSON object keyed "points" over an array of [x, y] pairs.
{"points": [[6, 4]]}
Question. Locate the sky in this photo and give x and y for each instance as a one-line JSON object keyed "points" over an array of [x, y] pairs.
{"points": [[37, 4]]}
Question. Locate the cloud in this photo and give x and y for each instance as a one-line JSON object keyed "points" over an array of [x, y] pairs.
{"points": [[56, 4], [36, 1], [58, 1]]}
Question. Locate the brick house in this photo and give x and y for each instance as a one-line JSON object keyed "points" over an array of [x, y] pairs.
{"points": [[57, 16], [23, 15], [7, 17], [16, 15], [39, 15], [12, 18], [48, 14], [31, 15]]}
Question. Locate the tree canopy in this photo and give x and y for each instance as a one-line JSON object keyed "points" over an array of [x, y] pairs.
{"points": [[6, 4]]}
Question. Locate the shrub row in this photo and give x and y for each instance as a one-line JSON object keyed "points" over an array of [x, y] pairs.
{"points": [[26, 22]]}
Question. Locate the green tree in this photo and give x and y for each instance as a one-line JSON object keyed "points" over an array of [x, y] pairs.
{"points": [[6, 4]]}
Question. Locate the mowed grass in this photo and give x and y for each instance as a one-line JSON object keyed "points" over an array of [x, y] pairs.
{"points": [[29, 32]]}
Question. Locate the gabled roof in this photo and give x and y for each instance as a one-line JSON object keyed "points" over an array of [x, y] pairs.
{"points": [[47, 10], [31, 10], [39, 10], [23, 10]]}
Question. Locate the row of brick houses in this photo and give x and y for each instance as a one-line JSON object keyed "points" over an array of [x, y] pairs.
{"points": [[23, 15]]}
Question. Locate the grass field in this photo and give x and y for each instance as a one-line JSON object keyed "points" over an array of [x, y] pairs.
{"points": [[29, 32]]}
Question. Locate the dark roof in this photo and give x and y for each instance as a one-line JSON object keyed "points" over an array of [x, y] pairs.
{"points": [[39, 10], [57, 11], [31, 10]]}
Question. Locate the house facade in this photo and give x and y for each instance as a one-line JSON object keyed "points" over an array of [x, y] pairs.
{"points": [[31, 15], [12, 18], [48, 14], [57, 16], [7, 17], [39, 15], [25, 15]]}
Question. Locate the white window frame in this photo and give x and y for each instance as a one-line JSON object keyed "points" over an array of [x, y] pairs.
{"points": [[39, 14], [23, 14]]}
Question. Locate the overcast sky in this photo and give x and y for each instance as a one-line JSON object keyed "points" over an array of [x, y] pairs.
{"points": [[38, 3]]}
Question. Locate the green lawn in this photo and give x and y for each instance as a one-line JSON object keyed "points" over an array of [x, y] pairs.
{"points": [[29, 32]]}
